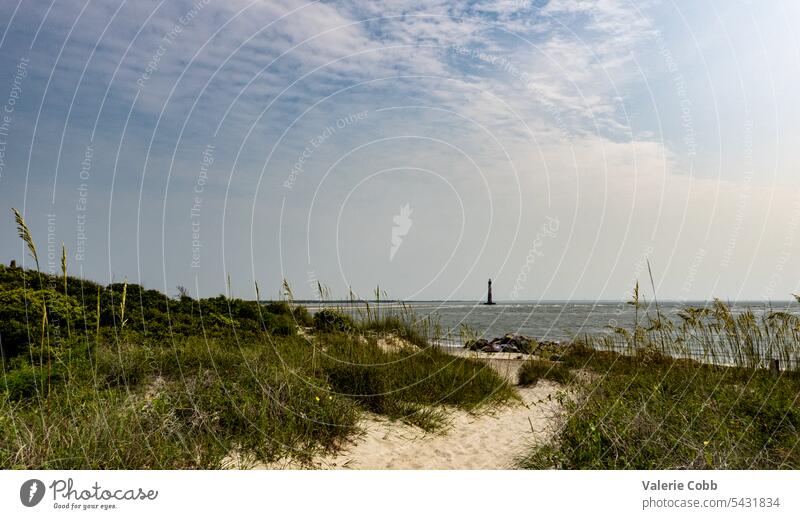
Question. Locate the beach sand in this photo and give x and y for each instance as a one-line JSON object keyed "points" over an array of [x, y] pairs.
{"points": [[487, 440], [484, 441]]}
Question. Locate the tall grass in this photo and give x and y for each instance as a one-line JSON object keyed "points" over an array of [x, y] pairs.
{"points": [[122, 305], [64, 279], [25, 235], [684, 393], [189, 383], [409, 382], [534, 370], [650, 411], [404, 383], [379, 317], [188, 405], [711, 334]]}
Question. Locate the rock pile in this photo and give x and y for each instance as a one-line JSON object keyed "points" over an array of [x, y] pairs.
{"points": [[509, 343]]}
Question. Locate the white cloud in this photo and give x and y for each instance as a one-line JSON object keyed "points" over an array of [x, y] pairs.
{"points": [[547, 84]]}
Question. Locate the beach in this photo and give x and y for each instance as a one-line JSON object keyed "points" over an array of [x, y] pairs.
{"points": [[490, 440], [487, 439]]}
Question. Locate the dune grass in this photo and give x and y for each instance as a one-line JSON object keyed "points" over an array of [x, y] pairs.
{"points": [[534, 370], [121, 377], [144, 380], [408, 384], [132, 400], [652, 411], [187, 404], [716, 389], [713, 334]]}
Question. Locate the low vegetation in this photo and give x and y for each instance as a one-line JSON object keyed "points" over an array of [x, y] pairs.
{"points": [[150, 398], [534, 370], [404, 384], [119, 376], [713, 334], [703, 393]]}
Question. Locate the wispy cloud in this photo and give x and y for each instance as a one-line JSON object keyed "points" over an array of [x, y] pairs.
{"points": [[506, 101]]}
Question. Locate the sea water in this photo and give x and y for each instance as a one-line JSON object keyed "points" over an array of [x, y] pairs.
{"points": [[544, 320]]}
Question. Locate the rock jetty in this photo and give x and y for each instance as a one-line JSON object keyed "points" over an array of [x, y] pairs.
{"points": [[510, 343]]}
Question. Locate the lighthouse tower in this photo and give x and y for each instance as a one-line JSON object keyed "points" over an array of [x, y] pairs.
{"points": [[489, 295]]}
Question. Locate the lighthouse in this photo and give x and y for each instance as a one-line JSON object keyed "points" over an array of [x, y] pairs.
{"points": [[489, 295]]}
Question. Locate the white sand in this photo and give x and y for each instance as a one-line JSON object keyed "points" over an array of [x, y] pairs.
{"points": [[486, 441]]}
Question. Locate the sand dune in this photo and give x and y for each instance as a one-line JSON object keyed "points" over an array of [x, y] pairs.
{"points": [[485, 441], [489, 440]]}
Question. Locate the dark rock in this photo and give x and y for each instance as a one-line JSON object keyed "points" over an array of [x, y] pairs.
{"points": [[476, 344], [513, 343], [522, 344], [509, 343]]}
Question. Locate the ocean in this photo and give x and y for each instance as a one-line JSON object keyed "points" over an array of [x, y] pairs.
{"points": [[546, 320]]}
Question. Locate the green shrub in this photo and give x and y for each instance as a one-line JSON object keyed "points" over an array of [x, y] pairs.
{"points": [[24, 381], [281, 325], [327, 320], [278, 308], [21, 317], [298, 315], [301, 316]]}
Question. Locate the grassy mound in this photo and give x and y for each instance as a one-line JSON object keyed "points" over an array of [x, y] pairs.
{"points": [[649, 411], [534, 370], [187, 404], [403, 384], [100, 377]]}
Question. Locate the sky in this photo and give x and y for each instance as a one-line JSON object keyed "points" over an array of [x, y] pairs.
{"points": [[421, 147]]}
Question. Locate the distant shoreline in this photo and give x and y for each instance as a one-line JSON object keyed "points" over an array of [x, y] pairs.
{"points": [[527, 301]]}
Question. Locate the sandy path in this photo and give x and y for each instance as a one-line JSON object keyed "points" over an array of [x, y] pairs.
{"points": [[489, 440], [485, 441]]}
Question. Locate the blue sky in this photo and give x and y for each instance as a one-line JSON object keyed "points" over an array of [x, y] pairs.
{"points": [[553, 146]]}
